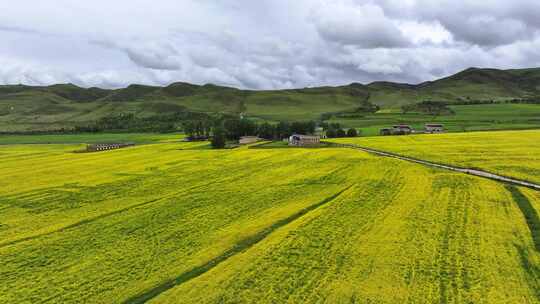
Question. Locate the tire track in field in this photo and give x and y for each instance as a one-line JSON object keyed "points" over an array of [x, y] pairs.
{"points": [[530, 214], [533, 222], [239, 247], [454, 247]]}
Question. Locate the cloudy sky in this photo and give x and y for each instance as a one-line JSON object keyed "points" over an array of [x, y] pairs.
{"points": [[262, 44]]}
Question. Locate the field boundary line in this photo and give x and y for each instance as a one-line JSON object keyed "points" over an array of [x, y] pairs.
{"points": [[475, 172], [237, 248]]}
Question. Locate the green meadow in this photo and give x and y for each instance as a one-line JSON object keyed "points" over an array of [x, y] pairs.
{"points": [[466, 118], [89, 138]]}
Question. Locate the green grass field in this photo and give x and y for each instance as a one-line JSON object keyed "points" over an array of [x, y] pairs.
{"points": [[171, 223], [466, 118], [138, 138]]}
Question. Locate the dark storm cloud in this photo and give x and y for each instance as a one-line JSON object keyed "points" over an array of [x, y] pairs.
{"points": [[264, 44], [485, 23], [160, 57]]}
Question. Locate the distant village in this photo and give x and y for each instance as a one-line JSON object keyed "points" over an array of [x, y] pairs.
{"points": [[315, 139], [403, 129]]}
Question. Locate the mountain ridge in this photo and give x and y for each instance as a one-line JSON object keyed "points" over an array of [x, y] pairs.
{"points": [[68, 104], [182, 89]]}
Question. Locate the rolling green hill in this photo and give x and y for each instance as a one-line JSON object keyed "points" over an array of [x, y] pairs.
{"points": [[65, 105], [470, 84]]}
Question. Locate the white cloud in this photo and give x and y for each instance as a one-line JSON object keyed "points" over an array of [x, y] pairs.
{"points": [[425, 32], [266, 44], [365, 26]]}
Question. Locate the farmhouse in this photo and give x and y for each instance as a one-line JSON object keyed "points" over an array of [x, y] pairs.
{"points": [[401, 129], [245, 140], [434, 128], [304, 140]]}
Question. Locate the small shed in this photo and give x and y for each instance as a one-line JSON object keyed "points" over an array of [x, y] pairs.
{"points": [[246, 140], [434, 128], [304, 140], [385, 131], [402, 129]]}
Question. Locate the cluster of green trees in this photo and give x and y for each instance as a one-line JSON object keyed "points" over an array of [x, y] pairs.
{"points": [[469, 101], [432, 106], [334, 130], [233, 128], [200, 126], [524, 100]]}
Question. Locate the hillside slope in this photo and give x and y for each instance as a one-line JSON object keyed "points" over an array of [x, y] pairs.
{"points": [[64, 105], [470, 84]]}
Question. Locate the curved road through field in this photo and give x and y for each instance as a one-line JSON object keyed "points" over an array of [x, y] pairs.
{"points": [[475, 172]]}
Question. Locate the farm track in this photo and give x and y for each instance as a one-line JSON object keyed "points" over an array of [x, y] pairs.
{"points": [[239, 247], [475, 172]]}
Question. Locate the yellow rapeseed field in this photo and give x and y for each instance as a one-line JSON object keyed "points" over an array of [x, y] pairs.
{"points": [[510, 153], [177, 223]]}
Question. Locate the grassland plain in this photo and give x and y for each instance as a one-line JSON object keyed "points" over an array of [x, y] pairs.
{"points": [[172, 223], [508, 153], [139, 138], [466, 118]]}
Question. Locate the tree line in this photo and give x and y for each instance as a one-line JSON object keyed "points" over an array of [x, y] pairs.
{"points": [[441, 107], [220, 128], [224, 130], [469, 101]]}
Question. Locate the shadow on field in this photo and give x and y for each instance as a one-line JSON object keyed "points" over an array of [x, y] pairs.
{"points": [[241, 246], [531, 270], [533, 221]]}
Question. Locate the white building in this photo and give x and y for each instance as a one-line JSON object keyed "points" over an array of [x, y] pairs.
{"points": [[434, 128], [304, 140], [246, 140], [402, 129]]}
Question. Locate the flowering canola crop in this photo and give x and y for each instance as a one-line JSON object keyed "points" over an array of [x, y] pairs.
{"points": [[174, 223]]}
